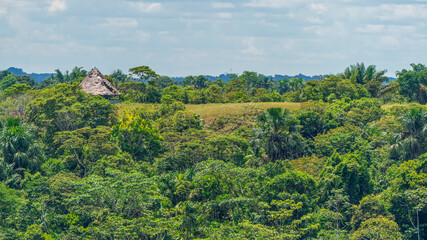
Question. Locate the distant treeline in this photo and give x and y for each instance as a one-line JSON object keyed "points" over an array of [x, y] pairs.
{"points": [[145, 85]]}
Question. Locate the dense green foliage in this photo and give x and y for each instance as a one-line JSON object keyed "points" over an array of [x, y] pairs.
{"points": [[350, 163]]}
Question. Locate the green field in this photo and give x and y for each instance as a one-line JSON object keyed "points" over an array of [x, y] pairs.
{"points": [[210, 112]]}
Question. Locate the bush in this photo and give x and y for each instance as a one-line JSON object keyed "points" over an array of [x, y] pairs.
{"points": [[137, 137]]}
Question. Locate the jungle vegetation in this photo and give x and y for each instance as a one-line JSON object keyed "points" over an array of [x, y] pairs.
{"points": [[343, 157]]}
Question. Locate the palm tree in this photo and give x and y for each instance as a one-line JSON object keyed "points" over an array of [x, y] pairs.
{"points": [[18, 147], [77, 73], [8, 175], [296, 83], [278, 133], [411, 143], [361, 75]]}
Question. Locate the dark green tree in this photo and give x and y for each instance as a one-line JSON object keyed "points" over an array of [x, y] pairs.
{"points": [[413, 83], [360, 74], [411, 143], [137, 137], [143, 73], [7, 81], [19, 148], [278, 133], [119, 76]]}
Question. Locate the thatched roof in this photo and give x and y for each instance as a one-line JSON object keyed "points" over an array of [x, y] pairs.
{"points": [[96, 84]]}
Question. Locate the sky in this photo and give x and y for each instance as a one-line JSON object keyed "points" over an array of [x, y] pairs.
{"points": [[180, 38]]}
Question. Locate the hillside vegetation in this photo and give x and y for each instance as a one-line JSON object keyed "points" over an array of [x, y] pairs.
{"points": [[213, 111], [344, 157]]}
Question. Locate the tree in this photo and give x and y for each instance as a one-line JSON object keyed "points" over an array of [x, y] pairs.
{"points": [[60, 78], [7, 81], [296, 84], [361, 75], [9, 203], [66, 108], [77, 73], [19, 148], [16, 90], [413, 83], [4, 73], [119, 205], [411, 142], [341, 88], [143, 73], [378, 229], [165, 81], [338, 205], [354, 179], [213, 93], [201, 82], [256, 80], [284, 211], [119, 77], [80, 149], [284, 86], [278, 132], [415, 201], [311, 122], [25, 79], [137, 137], [371, 206]]}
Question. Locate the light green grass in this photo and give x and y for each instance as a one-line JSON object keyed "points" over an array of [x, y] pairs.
{"points": [[390, 105], [130, 107], [210, 112]]}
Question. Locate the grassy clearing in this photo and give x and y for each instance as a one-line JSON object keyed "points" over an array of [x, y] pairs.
{"points": [[390, 105], [212, 111], [130, 107]]}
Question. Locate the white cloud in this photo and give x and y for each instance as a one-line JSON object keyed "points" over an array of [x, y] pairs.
{"points": [[146, 7], [249, 42], [402, 11], [371, 28], [273, 3], [388, 12], [21, 4], [222, 5], [57, 6], [115, 49], [223, 15], [168, 37], [3, 11], [389, 42], [259, 15], [386, 29], [314, 20], [142, 36], [120, 23], [318, 7], [264, 35]]}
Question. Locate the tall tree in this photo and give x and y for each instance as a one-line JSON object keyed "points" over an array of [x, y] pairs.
{"points": [[76, 73], [278, 133], [7, 81], [18, 146], [119, 76], [413, 83], [360, 74], [143, 73], [411, 143]]}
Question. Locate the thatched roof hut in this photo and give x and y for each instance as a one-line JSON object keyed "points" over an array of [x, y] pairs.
{"points": [[96, 84]]}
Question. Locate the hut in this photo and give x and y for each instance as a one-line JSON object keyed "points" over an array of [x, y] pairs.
{"points": [[96, 84]]}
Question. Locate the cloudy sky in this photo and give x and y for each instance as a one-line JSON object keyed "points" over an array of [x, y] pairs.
{"points": [[189, 37]]}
